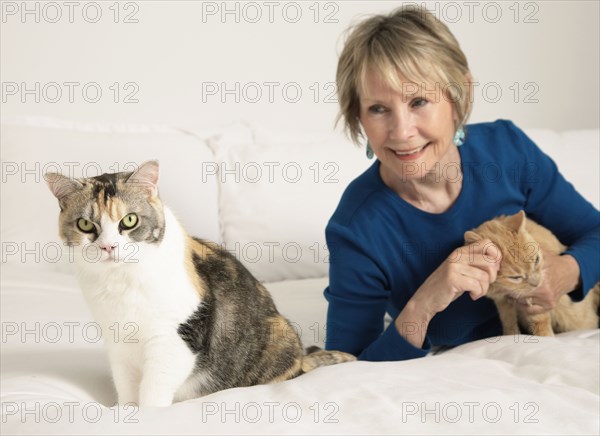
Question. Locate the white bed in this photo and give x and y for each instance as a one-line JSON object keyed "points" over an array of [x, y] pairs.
{"points": [[56, 380], [55, 377]]}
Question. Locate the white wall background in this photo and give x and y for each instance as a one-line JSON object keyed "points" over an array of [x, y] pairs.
{"points": [[543, 56]]}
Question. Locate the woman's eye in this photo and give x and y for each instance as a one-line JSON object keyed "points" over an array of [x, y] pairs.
{"points": [[377, 109], [85, 225], [129, 221], [418, 102]]}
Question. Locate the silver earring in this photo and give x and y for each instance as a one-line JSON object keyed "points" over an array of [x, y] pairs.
{"points": [[370, 153]]}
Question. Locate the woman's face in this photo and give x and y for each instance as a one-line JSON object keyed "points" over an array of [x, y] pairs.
{"points": [[410, 131]]}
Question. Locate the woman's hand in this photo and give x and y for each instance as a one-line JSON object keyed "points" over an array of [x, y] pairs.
{"points": [[560, 276], [471, 268]]}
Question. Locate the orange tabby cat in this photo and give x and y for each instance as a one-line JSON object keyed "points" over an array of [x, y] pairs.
{"points": [[520, 241]]}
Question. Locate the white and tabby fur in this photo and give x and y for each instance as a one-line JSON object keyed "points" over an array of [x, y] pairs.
{"points": [[152, 292], [165, 300]]}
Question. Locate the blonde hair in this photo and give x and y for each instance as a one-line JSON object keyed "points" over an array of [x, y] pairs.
{"points": [[409, 43]]}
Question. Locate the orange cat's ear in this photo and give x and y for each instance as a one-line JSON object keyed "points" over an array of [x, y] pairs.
{"points": [[516, 222], [471, 237]]}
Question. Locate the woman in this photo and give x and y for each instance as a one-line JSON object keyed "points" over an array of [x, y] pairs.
{"points": [[396, 238]]}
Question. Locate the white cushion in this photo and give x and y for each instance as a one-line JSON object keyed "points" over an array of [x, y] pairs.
{"points": [[579, 161], [277, 194], [30, 148], [302, 302], [577, 154]]}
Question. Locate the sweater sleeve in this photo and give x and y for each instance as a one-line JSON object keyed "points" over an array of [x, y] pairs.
{"points": [[358, 297], [554, 203]]}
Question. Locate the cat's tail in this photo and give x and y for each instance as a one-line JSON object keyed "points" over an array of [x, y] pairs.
{"points": [[316, 357]]}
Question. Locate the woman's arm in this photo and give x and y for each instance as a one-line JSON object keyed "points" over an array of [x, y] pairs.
{"points": [[358, 297], [561, 276], [471, 268], [554, 203]]}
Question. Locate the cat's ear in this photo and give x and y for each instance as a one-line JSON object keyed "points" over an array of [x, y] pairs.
{"points": [[516, 222], [62, 186], [471, 237], [146, 176]]}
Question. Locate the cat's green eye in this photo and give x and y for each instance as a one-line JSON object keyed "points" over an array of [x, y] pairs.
{"points": [[515, 278], [537, 259], [85, 225], [130, 221]]}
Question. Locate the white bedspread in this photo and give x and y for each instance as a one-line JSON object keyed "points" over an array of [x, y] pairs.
{"points": [[56, 380]]}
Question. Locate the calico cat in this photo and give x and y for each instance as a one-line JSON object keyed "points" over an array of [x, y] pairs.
{"points": [[198, 321], [520, 241]]}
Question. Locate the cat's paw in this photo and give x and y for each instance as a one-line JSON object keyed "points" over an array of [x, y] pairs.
{"points": [[125, 399], [155, 402], [127, 404], [543, 331], [511, 332]]}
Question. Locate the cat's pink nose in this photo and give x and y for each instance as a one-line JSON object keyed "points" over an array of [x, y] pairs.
{"points": [[108, 247]]}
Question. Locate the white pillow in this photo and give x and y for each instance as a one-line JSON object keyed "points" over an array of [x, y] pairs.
{"points": [[30, 148], [577, 155], [277, 194], [303, 304], [579, 161]]}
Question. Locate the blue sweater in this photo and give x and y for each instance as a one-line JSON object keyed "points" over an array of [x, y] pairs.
{"points": [[382, 248]]}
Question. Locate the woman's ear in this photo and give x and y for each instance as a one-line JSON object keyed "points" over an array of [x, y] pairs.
{"points": [[469, 84], [468, 81]]}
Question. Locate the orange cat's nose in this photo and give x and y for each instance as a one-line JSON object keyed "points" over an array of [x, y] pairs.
{"points": [[535, 279]]}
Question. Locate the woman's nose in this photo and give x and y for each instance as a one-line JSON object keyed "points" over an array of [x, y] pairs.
{"points": [[402, 126]]}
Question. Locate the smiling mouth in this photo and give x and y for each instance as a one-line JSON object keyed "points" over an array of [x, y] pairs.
{"points": [[410, 152]]}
